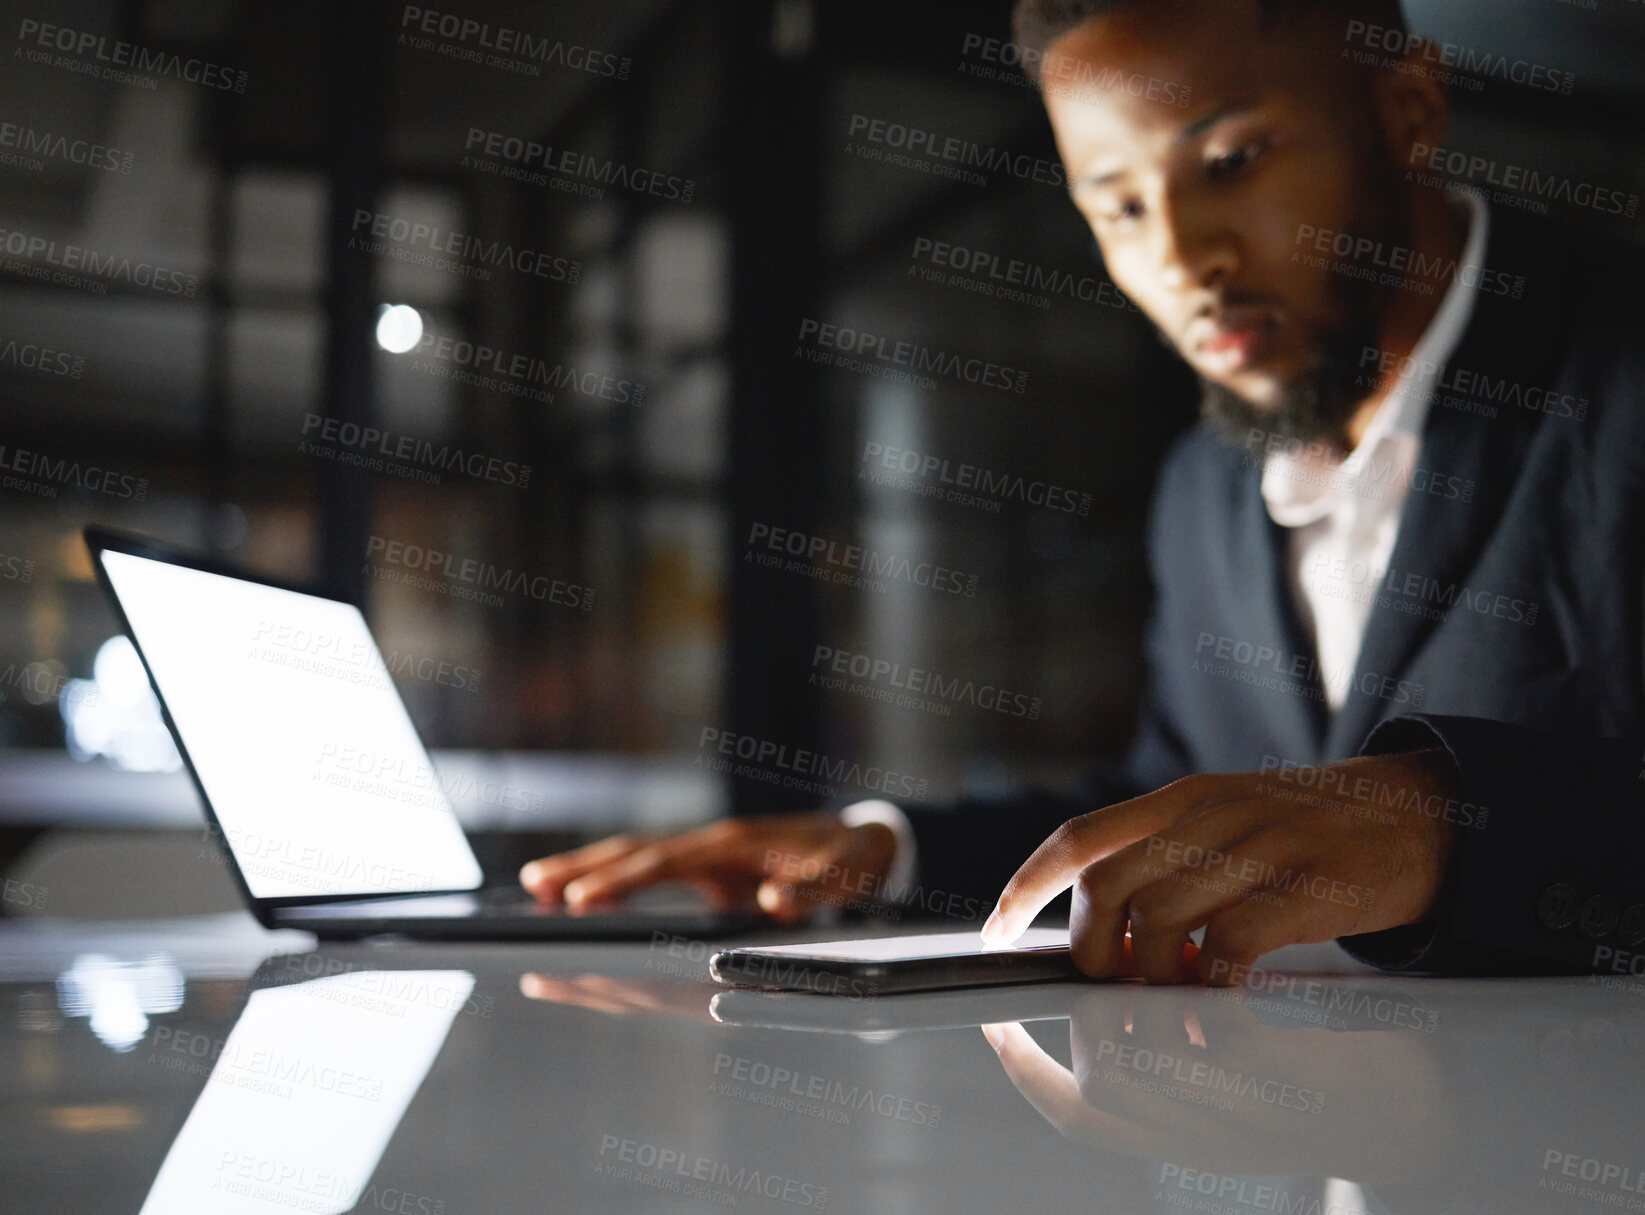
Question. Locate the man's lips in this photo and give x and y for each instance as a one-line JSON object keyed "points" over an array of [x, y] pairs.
{"points": [[1232, 340]]}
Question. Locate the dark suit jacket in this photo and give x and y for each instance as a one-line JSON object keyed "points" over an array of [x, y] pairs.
{"points": [[1511, 632]]}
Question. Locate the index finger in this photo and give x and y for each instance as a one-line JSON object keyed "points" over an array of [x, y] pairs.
{"points": [[547, 877], [696, 856], [1080, 842]]}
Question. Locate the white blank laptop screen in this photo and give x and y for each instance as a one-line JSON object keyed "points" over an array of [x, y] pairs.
{"points": [[300, 739]]}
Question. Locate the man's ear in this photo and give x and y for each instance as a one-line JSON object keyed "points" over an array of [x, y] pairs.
{"points": [[1413, 110]]}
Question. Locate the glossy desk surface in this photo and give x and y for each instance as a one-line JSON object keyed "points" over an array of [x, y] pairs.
{"points": [[208, 1067]]}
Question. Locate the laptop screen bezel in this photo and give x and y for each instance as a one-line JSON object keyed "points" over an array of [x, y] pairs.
{"points": [[103, 539]]}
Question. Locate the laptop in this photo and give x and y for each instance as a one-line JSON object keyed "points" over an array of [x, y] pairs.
{"points": [[330, 813]]}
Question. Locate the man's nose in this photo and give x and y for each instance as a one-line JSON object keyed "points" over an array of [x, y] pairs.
{"points": [[1196, 249]]}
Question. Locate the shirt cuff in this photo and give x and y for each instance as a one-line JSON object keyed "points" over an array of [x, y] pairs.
{"points": [[905, 857]]}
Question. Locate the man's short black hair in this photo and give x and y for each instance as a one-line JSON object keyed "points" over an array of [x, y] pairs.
{"points": [[1036, 24]]}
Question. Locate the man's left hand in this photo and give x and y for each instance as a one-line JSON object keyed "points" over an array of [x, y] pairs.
{"points": [[1259, 860]]}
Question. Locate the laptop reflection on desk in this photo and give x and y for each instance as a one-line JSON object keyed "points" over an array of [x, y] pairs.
{"points": [[305, 1093]]}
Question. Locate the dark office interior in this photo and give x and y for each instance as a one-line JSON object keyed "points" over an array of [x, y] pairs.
{"points": [[333, 317]]}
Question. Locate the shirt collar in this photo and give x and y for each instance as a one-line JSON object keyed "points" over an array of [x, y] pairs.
{"points": [[1305, 486]]}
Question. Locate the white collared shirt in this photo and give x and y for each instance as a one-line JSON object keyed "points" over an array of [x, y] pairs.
{"points": [[1343, 514]]}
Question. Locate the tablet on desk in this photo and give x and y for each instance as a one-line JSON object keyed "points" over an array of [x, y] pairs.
{"points": [[878, 966]]}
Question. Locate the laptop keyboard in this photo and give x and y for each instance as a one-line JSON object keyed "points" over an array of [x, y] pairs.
{"points": [[502, 902]]}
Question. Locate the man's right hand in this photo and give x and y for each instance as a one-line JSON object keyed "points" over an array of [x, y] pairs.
{"points": [[786, 864]]}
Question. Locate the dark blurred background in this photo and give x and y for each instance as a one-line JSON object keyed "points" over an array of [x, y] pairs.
{"points": [[215, 318]]}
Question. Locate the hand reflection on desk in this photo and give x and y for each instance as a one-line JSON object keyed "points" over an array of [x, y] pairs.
{"points": [[1196, 1077], [620, 997]]}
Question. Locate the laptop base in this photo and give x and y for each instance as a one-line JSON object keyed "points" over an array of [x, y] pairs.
{"points": [[477, 917]]}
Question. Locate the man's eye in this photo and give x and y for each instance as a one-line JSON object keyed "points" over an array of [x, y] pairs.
{"points": [[1127, 212], [1239, 158]]}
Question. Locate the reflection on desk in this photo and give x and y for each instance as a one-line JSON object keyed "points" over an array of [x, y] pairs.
{"points": [[597, 1078], [304, 1094]]}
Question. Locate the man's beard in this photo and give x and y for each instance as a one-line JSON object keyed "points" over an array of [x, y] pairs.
{"points": [[1317, 406]]}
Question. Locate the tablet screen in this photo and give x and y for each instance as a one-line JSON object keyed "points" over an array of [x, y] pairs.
{"points": [[914, 948]]}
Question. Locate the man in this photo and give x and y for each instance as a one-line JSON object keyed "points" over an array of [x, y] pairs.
{"points": [[1397, 628]]}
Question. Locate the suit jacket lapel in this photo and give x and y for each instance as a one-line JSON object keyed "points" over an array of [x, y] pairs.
{"points": [[1293, 723], [1440, 537]]}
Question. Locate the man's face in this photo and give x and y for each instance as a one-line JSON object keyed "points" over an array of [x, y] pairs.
{"points": [[1198, 209]]}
